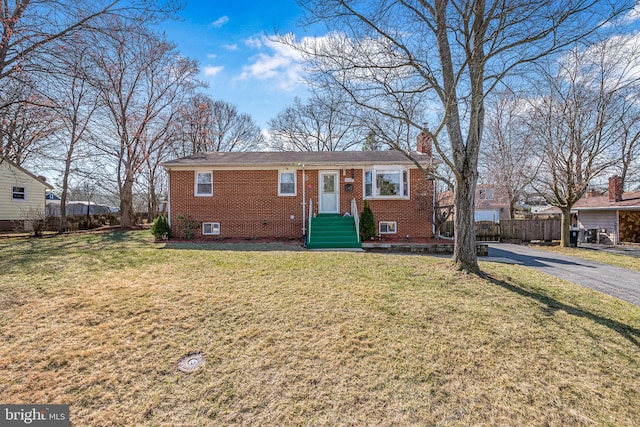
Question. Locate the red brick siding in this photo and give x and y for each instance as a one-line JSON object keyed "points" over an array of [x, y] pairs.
{"points": [[247, 205], [413, 216]]}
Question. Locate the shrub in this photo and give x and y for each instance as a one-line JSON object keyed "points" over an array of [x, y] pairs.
{"points": [[160, 228], [367, 223], [32, 220], [187, 227]]}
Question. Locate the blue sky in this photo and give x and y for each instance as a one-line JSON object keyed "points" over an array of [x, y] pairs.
{"points": [[237, 61]]}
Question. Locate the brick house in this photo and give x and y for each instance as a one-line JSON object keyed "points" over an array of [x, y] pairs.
{"points": [[491, 202], [249, 195]]}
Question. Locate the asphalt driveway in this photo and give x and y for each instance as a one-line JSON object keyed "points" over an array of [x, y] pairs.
{"points": [[615, 281]]}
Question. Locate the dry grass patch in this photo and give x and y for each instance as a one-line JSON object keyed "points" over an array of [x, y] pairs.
{"points": [[625, 261], [306, 338]]}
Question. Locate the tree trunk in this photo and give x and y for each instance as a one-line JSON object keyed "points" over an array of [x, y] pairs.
{"points": [[127, 216], [565, 231], [464, 251], [152, 206], [63, 197]]}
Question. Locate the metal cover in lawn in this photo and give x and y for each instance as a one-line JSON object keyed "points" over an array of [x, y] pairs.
{"points": [[191, 362]]}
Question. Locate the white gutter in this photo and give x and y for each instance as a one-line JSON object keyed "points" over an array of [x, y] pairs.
{"points": [[606, 208]]}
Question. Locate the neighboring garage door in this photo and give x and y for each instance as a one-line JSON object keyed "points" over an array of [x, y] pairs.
{"points": [[606, 222]]}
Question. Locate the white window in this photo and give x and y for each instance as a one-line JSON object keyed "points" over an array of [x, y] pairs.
{"points": [[387, 227], [485, 194], [19, 194], [287, 183], [210, 228], [204, 184], [388, 182]]}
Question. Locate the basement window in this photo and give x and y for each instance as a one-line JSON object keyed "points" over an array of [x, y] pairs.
{"points": [[210, 228], [387, 227]]}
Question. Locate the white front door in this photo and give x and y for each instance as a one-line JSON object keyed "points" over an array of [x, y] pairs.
{"points": [[329, 192]]}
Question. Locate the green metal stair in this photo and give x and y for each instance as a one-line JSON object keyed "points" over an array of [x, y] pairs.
{"points": [[332, 231]]}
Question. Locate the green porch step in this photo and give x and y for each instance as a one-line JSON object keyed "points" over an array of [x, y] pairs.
{"points": [[333, 231]]}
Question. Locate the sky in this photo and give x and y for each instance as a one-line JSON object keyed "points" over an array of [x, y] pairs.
{"points": [[237, 60]]}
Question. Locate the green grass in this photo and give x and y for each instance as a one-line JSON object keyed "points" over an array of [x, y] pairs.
{"points": [[293, 337]]}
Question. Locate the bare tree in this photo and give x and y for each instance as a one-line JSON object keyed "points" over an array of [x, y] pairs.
{"points": [[628, 168], [30, 27], [158, 145], [322, 123], [207, 125], [506, 156], [574, 126], [75, 102], [140, 77], [27, 120], [195, 126], [234, 131], [449, 53]]}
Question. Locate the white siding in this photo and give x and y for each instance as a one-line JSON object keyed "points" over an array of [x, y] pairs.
{"points": [[11, 210], [601, 220], [487, 215]]}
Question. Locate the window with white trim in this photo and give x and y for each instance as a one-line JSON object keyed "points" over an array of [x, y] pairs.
{"points": [[19, 194], [204, 184], [210, 228], [386, 182], [287, 183], [485, 194], [387, 227]]}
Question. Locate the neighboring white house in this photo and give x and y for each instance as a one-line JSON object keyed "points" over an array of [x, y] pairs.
{"points": [[22, 195]]}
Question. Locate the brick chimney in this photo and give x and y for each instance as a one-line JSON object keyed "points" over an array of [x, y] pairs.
{"points": [[424, 143], [615, 188], [592, 193]]}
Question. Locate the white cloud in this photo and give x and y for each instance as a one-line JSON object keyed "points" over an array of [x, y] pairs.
{"points": [[230, 46], [211, 56], [212, 71], [632, 16], [254, 42], [614, 62], [281, 63], [219, 22]]}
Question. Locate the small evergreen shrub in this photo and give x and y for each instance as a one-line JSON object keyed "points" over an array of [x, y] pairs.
{"points": [[160, 228], [367, 223]]}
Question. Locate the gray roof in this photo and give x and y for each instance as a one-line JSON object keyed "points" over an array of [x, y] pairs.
{"points": [[289, 158]]}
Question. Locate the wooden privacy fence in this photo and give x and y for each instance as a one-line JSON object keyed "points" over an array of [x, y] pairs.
{"points": [[524, 230], [527, 230]]}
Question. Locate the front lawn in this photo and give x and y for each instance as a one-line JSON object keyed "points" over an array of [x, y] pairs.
{"points": [[292, 337]]}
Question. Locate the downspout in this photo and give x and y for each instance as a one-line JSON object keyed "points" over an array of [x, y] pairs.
{"points": [[304, 197], [169, 198], [617, 230], [433, 210]]}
